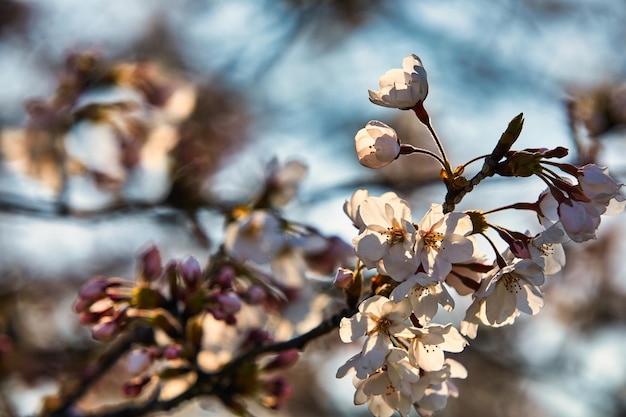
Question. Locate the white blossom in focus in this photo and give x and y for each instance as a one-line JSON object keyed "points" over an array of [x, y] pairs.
{"points": [[441, 241], [546, 249], [402, 88], [390, 389], [351, 207], [388, 241], [504, 294], [378, 318], [377, 145], [430, 342], [598, 186], [579, 219], [424, 297]]}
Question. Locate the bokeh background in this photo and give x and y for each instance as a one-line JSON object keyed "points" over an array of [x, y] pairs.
{"points": [[237, 83]]}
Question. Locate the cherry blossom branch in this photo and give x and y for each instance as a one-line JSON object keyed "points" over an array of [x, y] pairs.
{"points": [[206, 384], [508, 138], [93, 375]]}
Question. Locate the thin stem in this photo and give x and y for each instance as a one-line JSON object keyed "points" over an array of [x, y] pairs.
{"points": [[475, 159], [407, 149], [499, 259], [549, 171], [435, 137], [516, 206]]}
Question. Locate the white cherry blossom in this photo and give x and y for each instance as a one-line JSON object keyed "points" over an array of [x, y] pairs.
{"points": [[391, 388], [430, 342], [351, 208], [388, 241], [402, 88], [598, 186], [441, 241], [504, 294], [424, 296], [377, 145], [378, 319], [579, 219], [546, 249]]}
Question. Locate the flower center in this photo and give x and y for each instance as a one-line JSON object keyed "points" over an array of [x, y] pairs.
{"points": [[382, 326], [546, 248], [511, 283], [433, 240], [395, 233], [390, 389]]}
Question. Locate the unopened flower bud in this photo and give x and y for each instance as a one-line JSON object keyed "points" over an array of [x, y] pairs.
{"points": [[138, 361], [172, 352], [225, 278], [377, 145], [255, 294], [105, 330], [93, 289], [89, 318], [229, 302], [278, 392], [80, 304], [190, 271], [344, 278], [151, 264], [283, 360], [134, 387], [402, 88], [217, 313], [257, 337]]}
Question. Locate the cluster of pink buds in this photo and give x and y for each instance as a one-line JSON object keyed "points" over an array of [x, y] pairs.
{"points": [[159, 295], [577, 200], [171, 300]]}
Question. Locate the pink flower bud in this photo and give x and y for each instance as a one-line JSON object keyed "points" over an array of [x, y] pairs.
{"points": [[151, 264], [229, 302], [138, 361], [225, 278], [105, 330], [80, 304], [278, 392], [173, 352], [93, 289], [89, 318], [283, 360], [377, 145], [344, 278], [134, 387], [217, 314], [257, 337], [255, 294], [190, 272]]}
